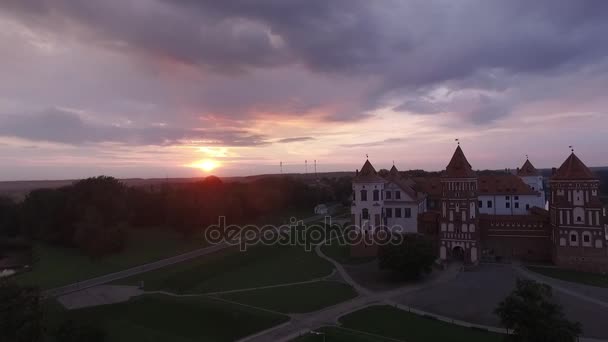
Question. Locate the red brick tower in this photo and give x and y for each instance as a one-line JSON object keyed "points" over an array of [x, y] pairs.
{"points": [[459, 236], [577, 218]]}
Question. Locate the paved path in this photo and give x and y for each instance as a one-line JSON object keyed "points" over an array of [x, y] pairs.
{"points": [[557, 285], [63, 290], [301, 324]]}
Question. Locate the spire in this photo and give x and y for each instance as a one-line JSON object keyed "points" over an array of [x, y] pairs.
{"points": [[573, 168], [459, 166], [528, 169], [393, 171]]}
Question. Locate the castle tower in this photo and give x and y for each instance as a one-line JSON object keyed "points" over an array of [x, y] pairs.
{"points": [[577, 218], [459, 233], [530, 175], [368, 189]]}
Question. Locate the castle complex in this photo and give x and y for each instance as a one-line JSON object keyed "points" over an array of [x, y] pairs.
{"points": [[474, 216]]}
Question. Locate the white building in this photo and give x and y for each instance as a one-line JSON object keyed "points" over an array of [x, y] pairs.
{"points": [[506, 195], [532, 177], [389, 201]]}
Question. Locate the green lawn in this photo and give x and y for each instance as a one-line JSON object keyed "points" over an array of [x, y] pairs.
{"points": [[599, 280], [296, 298], [58, 266], [164, 318], [341, 254], [391, 322], [259, 266]]}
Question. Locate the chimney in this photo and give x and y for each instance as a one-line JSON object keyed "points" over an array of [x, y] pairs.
{"points": [[356, 172], [553, 171]]}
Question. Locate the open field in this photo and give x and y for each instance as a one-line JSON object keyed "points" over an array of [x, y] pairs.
{"points": [[390, 322], [592, 279], [341, 253], [58, 266], [259, 266], [296, 298], [164, 318]]}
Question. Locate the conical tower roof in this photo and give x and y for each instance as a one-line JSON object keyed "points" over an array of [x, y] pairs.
{"points": [[368, 174], [459, 166], [527, 170], [573, 168]]}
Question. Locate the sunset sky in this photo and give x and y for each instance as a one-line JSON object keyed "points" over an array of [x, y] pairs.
{"points": [[179, 88]]}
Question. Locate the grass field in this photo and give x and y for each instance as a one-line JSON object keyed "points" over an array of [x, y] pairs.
{"points": [[393, 323], [259, 266], [164, 318], [335, 334], [296, 298], [599, 280], [58, 266], [341, 254]]}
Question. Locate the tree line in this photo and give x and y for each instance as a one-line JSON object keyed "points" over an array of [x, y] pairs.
{"points": [[94, 214]]}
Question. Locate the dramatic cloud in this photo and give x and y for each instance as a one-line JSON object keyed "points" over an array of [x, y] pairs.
{"points": [[66, 127], [240, 73], [296, 139]]}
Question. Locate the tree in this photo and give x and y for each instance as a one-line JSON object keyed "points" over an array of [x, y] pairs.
{"points": [[533, 315], [9, 217], [411, 258], [20, 313], [72, 331]]}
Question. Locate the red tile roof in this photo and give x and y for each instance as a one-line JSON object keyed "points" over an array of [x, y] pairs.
{"points": [[573, 168], [405, 184], [527, 170], [504, 184], [459, 167]]}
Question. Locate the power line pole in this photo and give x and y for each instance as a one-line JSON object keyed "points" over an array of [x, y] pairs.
{"points": [[306, 166]]}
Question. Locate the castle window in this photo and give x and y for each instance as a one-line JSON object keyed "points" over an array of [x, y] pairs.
{"points": [[363, 195], [376, 195], [516, 205], [407, 212], [354, 196], [507, 198], [480, 204], [365, 214], [397, 194], [508, 205], [517, 198], [573, 239], [579, 219], [527, 207], [389, 212], [489, 204], [586, 238], [389, 194], [397, 212]]}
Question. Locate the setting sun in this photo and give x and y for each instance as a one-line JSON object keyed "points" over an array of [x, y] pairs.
{"points": [[205, 165]]}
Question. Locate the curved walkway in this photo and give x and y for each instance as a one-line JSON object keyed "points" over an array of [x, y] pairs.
{"points": [[303, 323], [557, 285]]}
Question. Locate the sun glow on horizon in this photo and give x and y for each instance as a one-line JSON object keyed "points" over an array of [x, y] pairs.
{"points": [[206, 165]]}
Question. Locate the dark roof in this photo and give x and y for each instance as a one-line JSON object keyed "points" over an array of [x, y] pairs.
{"points": [[573, 168], [368, 174], [527, 170], [405, 184], [459, 166], [505, 184], [430, 185]]}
